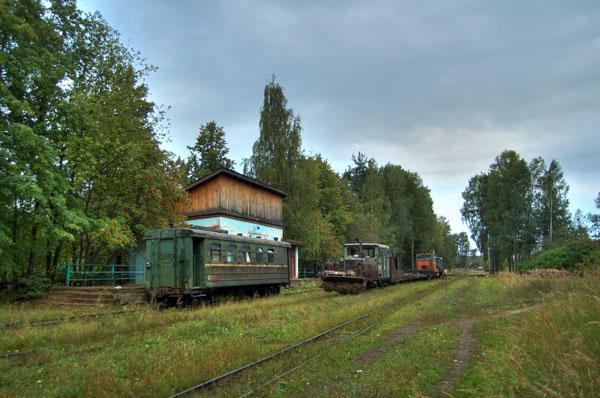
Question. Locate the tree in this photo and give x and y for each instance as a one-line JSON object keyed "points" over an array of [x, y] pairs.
{"points": [[276, 153], [209, 153], [444, 242], [595, 220], [497, 208], [550, 203], [462, 248], [83, 175], [580, 226], [474, 210]]}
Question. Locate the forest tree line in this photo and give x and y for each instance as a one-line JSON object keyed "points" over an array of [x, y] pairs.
{"points": [[83, 175], [368, 202], [517, 210]]}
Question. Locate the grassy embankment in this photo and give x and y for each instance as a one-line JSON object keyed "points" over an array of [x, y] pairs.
{"points": [[468, 337], [153, 353], [505, 336]]}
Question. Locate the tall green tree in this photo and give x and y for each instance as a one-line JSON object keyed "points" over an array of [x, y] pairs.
{"points": [[83, 174], [594, 219], [497, 208], [462, 248], [444, 242], [209, 153], [550, 213], [555, 221], [277, 151]]}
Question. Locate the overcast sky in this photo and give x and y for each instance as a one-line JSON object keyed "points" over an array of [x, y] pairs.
{"points": [[438, 87]]}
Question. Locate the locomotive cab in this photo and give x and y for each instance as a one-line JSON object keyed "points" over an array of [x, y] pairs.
{"points": [[364, 265], [430, 265]]}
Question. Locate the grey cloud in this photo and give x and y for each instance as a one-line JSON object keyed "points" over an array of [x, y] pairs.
{"points": [[438, 87]]}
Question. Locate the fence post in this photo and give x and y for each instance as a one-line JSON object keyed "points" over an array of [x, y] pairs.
{"points": [[68, 279], [113, 272]]}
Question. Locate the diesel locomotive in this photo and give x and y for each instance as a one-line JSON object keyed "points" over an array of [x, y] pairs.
{"points": [[368, 265]]}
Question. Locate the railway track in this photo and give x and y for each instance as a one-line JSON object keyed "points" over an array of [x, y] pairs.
{"points": [[49, 355], [329, 333], [63, 320], [94, 317]]}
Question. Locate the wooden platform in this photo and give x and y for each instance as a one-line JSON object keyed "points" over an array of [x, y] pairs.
{"points": [[95, 295]]}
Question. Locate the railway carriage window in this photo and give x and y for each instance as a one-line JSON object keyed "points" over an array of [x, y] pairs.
{"points": [[271, 256], [246, 254], [215, 253], [231, 252], [259, 255]]}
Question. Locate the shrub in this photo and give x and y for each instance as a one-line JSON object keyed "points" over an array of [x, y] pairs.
{"points": [[568, 256], [28, 288]]}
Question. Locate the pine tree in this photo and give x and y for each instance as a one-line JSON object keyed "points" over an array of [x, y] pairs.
{"points": [[209, 153], [555, 217], [276, 153], [594, 219]]}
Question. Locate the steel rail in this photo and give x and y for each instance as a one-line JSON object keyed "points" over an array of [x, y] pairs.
{"points": [[234, 372], [59, 321], [302, 364], [226, 375]]}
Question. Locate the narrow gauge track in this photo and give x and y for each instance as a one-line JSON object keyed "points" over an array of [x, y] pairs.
{"points": [[63, 320], [329, 332], [93, 317], [14, 355]]}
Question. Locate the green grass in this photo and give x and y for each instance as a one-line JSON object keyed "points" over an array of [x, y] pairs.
{"points": [[150, 353], [550, 348]]}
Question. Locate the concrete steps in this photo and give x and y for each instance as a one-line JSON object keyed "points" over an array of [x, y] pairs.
{"points": [[92, 296]]}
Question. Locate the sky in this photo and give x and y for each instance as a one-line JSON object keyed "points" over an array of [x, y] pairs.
{"points": [[440, 87]]}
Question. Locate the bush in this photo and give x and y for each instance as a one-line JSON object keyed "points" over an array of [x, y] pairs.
{"points": [[591, 260], [27, 288], [568, 256]]}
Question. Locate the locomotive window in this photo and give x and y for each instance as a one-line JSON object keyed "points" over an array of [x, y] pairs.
{"points": [[355, 251], [271, 256], [259, 255], [246, 254], [231, 252], [215, 253]]}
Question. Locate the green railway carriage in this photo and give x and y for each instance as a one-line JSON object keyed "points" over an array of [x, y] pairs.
{"points": [[186, 264]]}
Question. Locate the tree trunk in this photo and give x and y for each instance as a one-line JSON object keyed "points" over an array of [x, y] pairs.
{"points": [[55, 259], [551, 205], [14, 241], [48, 258], [31, 266], [412, 252]]}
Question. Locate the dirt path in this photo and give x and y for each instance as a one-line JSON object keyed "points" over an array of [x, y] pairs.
{"points": [[397, 335], [466, 345]]}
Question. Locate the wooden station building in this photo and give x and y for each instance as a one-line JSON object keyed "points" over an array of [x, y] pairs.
{"points": [[229, 201]]}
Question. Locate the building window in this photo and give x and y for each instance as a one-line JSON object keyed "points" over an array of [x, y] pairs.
{"points": [[259, 255], [215, 253], [231, 252], [246, 254], [271, 256]]}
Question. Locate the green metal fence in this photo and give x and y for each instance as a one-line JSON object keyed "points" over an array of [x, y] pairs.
{"points": [[308, 270], [98, 275]]}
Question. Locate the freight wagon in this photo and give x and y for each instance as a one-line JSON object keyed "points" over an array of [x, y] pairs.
{"points": [[185, 265]]}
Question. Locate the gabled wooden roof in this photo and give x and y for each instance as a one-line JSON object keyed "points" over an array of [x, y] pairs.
{"points": [[237, 176]]}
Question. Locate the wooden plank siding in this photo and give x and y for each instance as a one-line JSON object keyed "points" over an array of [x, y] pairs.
{"points": [[230, 195]]}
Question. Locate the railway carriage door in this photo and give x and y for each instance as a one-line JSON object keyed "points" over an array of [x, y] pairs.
{"points": [[166, 262], [198, 263]]}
